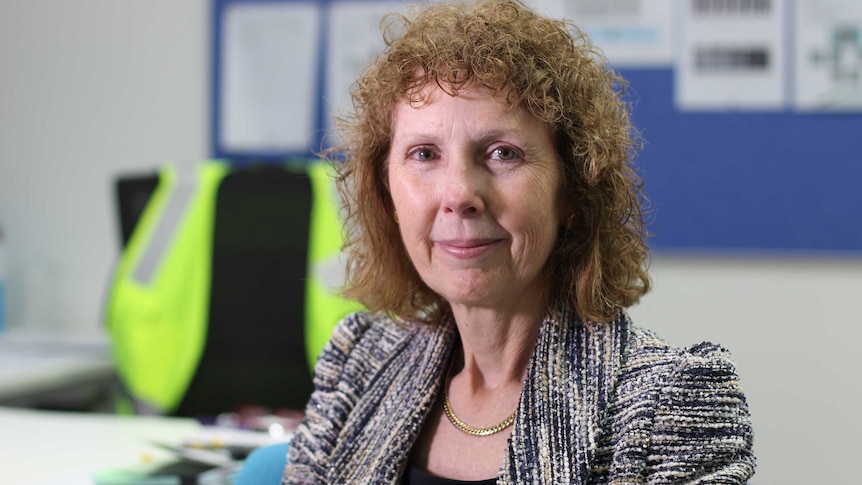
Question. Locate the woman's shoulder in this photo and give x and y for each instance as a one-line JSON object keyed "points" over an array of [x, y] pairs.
{"points": [[362, 329], [376, 329], [646, 344], [360, 342], [367, 327], [690, 397], [650, 359]]}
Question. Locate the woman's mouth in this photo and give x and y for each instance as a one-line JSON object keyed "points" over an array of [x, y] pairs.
{"points": [[467, 248]]}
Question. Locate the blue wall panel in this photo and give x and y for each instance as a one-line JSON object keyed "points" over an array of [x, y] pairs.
{"points": [[747, 180], [719, 180]]}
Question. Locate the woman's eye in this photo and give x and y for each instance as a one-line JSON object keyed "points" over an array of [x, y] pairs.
{"points": [[506, 153], [423, 154]]}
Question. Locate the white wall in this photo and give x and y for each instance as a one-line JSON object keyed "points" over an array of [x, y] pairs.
{"points": [[93, 88], [88, 89], [793, 326]]}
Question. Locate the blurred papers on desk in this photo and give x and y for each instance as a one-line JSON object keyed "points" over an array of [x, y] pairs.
{"points": [[68, 448], [43, 367], [65, 448]]}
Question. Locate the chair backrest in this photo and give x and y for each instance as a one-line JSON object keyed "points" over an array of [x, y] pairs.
{"points": [[132, 194], [255, 337], [255, 347]]}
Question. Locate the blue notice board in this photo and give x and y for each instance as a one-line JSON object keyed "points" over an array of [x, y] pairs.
{"points": [[747, 181], [752, 181]]}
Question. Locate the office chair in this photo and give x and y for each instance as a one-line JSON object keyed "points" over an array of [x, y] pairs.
{"points": [[230, 308]]}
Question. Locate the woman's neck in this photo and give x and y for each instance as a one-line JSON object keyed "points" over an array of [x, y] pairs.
{"points": [[495, 346]]}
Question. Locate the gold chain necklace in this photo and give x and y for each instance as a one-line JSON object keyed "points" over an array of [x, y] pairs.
{"points": [[466, 428]]}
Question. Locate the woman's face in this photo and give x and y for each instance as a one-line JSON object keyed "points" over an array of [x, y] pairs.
{"points": [[475, 186]]}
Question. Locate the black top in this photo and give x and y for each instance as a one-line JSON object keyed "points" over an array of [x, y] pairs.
{"points": [[415, 476]]}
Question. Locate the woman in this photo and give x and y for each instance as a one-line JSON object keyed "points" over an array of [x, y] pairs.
{"points": [[496, 237]]}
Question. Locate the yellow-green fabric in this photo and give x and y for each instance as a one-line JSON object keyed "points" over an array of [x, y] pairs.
{"points": [[323, 310], [158, 327]]}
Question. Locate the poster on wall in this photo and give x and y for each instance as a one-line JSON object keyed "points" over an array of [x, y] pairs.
{"points": [[828, 55], [634, 33], [268, 77], [731, 55], [354, 39]]}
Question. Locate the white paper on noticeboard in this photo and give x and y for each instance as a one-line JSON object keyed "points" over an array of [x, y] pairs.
{"points": [[354, 40], [731, 55], [828, 55], [629, 32], [269, 76]]}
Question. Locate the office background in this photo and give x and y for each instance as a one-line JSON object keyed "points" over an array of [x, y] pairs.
{"points": [[97, 88]]}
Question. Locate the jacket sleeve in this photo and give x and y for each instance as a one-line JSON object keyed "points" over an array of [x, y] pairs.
{"points": [[702, 431], [335, 394]]}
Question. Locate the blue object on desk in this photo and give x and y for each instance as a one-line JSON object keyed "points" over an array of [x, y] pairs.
{"points": [[264, 465]]}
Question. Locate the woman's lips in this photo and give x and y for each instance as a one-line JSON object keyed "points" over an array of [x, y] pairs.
{"points": [[467, 248]]}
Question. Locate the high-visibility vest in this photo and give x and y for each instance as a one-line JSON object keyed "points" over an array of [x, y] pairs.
{"points": [[157, 310]]}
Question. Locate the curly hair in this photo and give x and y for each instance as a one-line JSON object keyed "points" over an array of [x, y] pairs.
{"points": [[550, 68]]}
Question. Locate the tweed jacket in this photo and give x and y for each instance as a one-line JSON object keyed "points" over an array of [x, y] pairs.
{"points": [[602, 403]]}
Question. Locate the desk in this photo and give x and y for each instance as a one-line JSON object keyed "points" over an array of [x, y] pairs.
{"points": [[36, 363], [48, 447]]}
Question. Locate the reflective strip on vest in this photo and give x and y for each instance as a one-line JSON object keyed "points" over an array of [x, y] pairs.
{"points": [[185, 184], [158, 308]]}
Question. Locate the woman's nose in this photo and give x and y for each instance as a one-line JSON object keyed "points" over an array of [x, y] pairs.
{"points": [[464, 190]]}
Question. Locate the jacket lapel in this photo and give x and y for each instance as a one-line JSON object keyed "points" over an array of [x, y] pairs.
{"points": [[572, 375], [377, 437]]}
